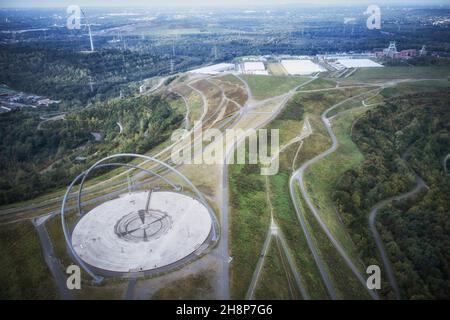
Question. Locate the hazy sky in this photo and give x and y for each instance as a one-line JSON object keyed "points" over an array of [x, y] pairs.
{"points": [[163, 3]]}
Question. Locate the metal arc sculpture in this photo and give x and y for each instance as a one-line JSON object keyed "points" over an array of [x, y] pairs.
{"points": [[81, 178]]}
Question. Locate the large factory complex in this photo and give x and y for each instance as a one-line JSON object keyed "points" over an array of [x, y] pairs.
{"points": [[289, 65], [339, 65]]}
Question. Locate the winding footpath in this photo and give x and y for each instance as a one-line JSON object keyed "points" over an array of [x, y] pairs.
{"points": [[54, 118], [312, 247], [50, 258], [259, 264], [275, 232], [224, 292], [299, 177], [107, 183], [445, 163], [420, 184]]}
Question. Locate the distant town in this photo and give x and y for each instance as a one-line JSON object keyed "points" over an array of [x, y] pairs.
{"points": [[339, 65], [11, 99]]}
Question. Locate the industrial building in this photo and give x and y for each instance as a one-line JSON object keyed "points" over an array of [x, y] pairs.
{"points": [[358, 63], [214, 69], [301, 67], [393, 53], [254, 67]]}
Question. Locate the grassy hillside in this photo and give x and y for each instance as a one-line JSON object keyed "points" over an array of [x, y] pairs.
{"points": [[264, 87], [386, 73], [249, 220], [34, 161], [24, 272]]}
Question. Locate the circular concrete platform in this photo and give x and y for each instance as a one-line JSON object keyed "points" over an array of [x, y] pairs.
{"points": [[124, 235]]}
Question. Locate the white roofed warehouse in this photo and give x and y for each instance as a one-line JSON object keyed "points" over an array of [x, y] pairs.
{"points": [[301, 67]]}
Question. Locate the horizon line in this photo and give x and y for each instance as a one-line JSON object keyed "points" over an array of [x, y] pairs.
{"points": [[252, 5]]}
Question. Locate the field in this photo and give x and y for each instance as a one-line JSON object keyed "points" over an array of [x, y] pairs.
{"points": [[322, 176], [343, 280], [24, 272], [195, 108], [284, 214], [264, 87], [314, 104], [276, 69], [108, 290], [388, 73], [230, 78], [289, 122], [319, 83], [192, 287], [276, 280], [249, 219], [416, 87]]}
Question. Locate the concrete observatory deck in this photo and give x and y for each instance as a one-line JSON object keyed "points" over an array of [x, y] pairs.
{"points": [[136, 232]]}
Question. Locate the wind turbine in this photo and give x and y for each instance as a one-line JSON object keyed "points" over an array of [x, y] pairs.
{"points": [[91, 83], [215, 52], [89, 28], [172, 64]]}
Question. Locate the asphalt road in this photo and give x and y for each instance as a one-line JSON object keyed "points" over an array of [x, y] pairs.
{"points": [[50, 259], [129, 295]]}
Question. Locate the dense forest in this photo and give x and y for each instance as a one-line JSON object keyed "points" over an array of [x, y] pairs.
{"points": [[405, 137], [77, 78], [35, 160], [56, 67]]}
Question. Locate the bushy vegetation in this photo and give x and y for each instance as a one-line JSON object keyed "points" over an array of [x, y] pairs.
{"points": [[419, 61], [24, 272], [276, 281], [264, 87], [67, 74], [35, 160], [250, 219], [404, 137], [191, 287]]}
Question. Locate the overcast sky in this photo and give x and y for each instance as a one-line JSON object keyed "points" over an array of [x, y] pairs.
{"points": [[163, 3]]}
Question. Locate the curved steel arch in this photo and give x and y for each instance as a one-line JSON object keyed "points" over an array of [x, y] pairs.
{"points": [[100, 164], [119, 165]]}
